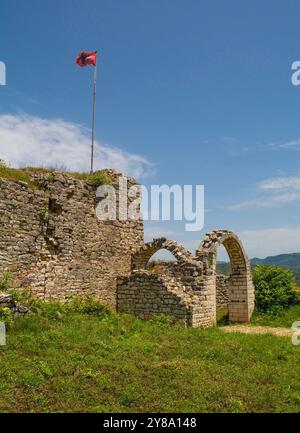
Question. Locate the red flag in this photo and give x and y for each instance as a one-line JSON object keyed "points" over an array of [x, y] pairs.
{"points": [[86, 58]]}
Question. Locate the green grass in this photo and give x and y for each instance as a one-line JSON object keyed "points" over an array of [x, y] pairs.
{"points": [[15, 175], [284, 318], [98, 178], [93, 360], [24, 174]]}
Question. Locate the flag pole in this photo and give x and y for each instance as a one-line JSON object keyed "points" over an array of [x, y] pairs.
{"points": [[93, 121]]}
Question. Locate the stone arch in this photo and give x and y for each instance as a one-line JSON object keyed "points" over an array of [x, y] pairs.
{"points": [[142, 256], [241, 289]]}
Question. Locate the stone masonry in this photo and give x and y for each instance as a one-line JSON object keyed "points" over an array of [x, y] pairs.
{"points": [[222, 290], [187, 289], [8, 301], [53, 243]]}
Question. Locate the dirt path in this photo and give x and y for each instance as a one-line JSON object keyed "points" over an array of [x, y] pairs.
{"points": [[246, 329]]}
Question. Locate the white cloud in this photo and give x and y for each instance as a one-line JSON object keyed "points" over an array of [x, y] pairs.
{"points": [[281, 183], [293, 144], [27, 140], [265, 202], [157, 231], [269, 242], [274, 192]]}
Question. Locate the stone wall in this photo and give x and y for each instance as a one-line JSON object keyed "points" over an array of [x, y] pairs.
{"points": [[175, 288], [222, 289], [173, 269], [146, 294], [53, 243], [189, 289], [240, 284], [7, 301]]}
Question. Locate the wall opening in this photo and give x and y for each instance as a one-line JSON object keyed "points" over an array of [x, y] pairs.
{"points": [[162, 262], [223, 262], [239, 284], [223, 269]]}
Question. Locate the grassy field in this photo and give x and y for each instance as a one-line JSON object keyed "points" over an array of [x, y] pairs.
{"points": [[284, 318], [83, 362]]}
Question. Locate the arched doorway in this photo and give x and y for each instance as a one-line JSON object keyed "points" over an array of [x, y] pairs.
{"points": [[141, 257], [240, 285]]}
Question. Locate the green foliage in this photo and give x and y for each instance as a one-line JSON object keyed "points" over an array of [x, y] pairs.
{"points": [[23, 296], [287, 261], [274, 288], [5, 280], [50, 177], [23, 174], [162, 321], [89, 306], [284, 317], [43, 215], [53, 310], [222, 316], [86, 363], [99, 178], [15, 175], [6, 316]]}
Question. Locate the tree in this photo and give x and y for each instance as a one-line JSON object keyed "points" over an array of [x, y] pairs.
{"points": [[274, 288]]}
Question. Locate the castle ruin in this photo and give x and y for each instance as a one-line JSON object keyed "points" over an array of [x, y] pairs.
{"points": [[53, 243]]}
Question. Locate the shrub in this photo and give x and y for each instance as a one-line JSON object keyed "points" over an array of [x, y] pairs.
{"points": [[23, 296], [5, 279], [51, 309], [54, 309], [274, 288], [98, 178], [89, 306], [6, 316], [163, 321]]}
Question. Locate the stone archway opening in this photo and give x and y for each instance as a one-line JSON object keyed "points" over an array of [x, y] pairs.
{"points": [[162, 262], [188, 290], [163, 257], [239, 285], [223, 270], [142, 257]]}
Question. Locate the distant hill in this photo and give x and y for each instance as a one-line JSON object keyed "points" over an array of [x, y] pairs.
{"points": [[287, 261], [223, 268]]}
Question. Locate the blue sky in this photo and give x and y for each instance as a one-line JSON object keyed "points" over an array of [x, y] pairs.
{"points": [[189, 92]]}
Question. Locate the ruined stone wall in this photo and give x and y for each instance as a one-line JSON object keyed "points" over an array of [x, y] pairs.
{"points": [[174, 288], [189, 289], [171, 269], [174, 269], [53, 243], [222, 288], [240, 284], [146, 294], [7, 301]]}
